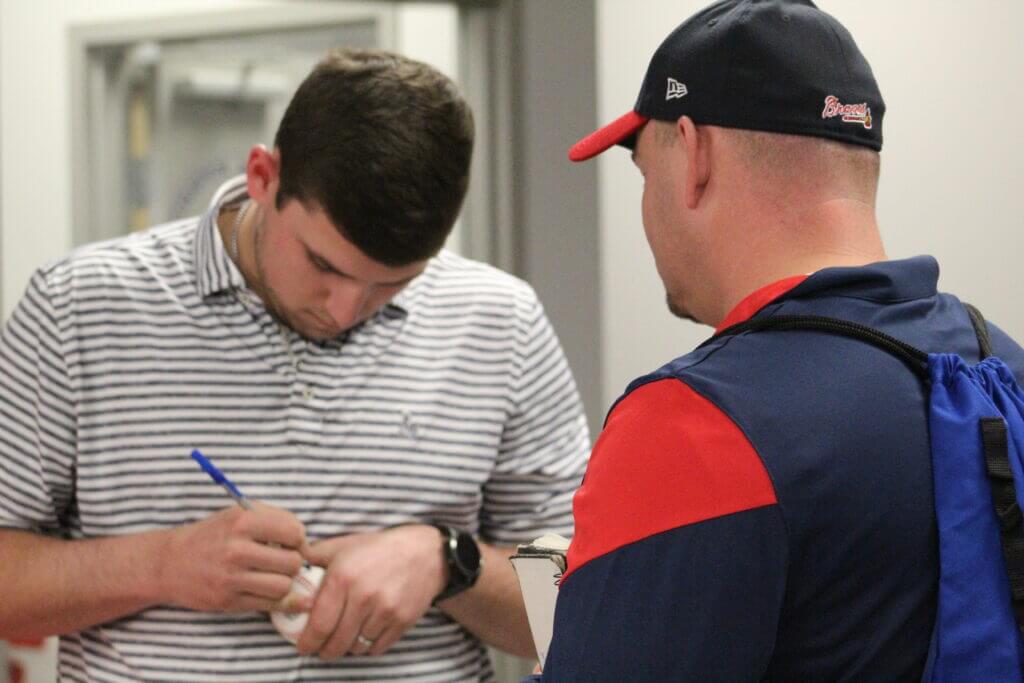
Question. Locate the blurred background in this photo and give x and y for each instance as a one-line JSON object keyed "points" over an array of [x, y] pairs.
{"points": [[118, 114]]}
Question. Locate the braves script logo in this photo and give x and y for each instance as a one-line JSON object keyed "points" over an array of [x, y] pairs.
{"points": [[851, 113], [675, 89]]}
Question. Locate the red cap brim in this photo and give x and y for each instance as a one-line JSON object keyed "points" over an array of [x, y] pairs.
{"points": [[601, 139]]}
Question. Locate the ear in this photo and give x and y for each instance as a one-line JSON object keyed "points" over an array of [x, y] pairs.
{"points": [[698, 166], [262, 174]]}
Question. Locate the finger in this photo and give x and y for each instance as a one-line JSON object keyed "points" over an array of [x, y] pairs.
{"points": [[253, 603], [294, 603], [266, 585], [362, 644], [271, 559], [272, 525], [322, 552], [366, 638], [344, 637], [319, 554], [389, 637], [373, 630], [323, 617]]}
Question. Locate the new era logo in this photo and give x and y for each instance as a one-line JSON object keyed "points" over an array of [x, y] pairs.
{"points": [[675, 89]]}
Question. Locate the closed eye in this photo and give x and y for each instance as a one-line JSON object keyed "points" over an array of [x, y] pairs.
{"points": [[320, 264]]}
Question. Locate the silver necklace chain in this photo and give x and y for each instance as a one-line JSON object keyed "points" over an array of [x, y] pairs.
{"points": [[233, 249], [234, 230]]}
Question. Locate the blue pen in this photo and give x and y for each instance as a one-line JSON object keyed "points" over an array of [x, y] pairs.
{"points": [[219, 477]]}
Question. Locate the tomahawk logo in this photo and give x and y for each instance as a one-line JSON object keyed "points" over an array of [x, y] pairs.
{"points": [[675, 89]]}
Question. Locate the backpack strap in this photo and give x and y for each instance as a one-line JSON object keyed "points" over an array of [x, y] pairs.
{"points": [[913, 357], [1000, 475], [993, 430], [980, 330]]}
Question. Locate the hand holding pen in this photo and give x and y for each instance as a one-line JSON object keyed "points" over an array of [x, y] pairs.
{"points": [[241, 558]]}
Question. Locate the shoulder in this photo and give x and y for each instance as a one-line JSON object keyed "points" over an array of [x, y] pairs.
{"points": [[450, 271], [134, 271], [162, 251], [673, 458], [455, 285]]}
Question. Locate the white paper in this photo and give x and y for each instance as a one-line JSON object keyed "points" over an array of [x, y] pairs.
{"points": [[539, 567]]}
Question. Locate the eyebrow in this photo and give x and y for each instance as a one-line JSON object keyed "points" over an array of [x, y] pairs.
{"points": [[330, 266]]}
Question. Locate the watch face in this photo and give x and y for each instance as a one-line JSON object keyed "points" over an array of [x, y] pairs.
{"points": [[467, 554]]}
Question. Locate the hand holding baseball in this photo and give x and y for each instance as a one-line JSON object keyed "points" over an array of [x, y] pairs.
{"points": [[376, 586]]}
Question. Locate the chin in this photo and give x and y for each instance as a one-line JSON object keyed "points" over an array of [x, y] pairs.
{"points": [[319, 334], [677, 308]]}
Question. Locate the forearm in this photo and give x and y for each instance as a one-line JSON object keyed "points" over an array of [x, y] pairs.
{"points": [[493, 609], [53, 586]]}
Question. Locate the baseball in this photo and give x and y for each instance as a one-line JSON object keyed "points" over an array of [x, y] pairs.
{"points": [[306, 582]]}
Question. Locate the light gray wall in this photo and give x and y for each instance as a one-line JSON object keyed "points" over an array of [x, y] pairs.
{"points": [[35, 160], [952, 164], [556, 237]]}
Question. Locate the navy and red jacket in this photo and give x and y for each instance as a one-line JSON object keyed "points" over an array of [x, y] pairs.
{"points": [[761, 509]]}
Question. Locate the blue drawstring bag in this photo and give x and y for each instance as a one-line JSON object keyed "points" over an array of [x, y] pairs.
{"points": [[976, 431]]}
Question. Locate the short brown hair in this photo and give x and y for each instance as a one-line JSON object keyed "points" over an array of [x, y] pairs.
{"points": [[382, 144]]}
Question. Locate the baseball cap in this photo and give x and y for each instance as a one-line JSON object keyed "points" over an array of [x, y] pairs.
{"points": [[781, 66]]}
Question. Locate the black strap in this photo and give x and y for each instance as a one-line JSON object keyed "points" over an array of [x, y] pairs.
{"points": [[980, 330], [993, 429], [915, 359], [1000, 475], [1004, 499]]}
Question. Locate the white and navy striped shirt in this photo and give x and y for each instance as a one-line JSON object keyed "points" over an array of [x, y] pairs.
{"points": [[454, 403]]}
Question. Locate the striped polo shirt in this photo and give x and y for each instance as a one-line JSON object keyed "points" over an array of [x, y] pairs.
{"points": [[454, 403]]}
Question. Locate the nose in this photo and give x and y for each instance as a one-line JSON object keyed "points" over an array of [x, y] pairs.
{"points": [[346, 303]]}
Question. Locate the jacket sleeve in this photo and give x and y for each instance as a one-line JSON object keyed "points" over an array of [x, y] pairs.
{"points": [[678, 567]]}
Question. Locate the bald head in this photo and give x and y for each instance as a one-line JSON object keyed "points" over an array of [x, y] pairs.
{"points": [[808, 163], [777, 163]]}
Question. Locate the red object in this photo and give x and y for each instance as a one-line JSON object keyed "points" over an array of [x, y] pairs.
{"points": [[746, 309], [603, 138], [667, 458]]}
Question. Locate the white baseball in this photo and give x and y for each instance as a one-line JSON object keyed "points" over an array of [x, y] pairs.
{"points": [[306, 582]]}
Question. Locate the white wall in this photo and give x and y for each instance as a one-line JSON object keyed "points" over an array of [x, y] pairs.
{"points": [[35, 149], [952, 163]]}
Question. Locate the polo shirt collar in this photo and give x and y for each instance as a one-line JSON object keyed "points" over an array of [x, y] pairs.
{"points": [[215, 271], [884, 282]]}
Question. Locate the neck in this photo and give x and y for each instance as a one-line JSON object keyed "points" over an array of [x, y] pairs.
{"points": [[235, 226], [830, 234]]}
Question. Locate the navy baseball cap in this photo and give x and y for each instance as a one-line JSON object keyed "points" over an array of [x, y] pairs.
{"points": [[782, 66]]}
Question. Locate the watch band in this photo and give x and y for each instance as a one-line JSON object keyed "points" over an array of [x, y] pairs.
{"points": [[462, 556]]}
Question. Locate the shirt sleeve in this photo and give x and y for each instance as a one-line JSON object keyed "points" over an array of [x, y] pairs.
{"points": [[545, 442], [677, 570], [37, 417]]}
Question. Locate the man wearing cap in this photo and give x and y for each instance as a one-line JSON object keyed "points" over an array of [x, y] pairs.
{"points": [[762, 508]]}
